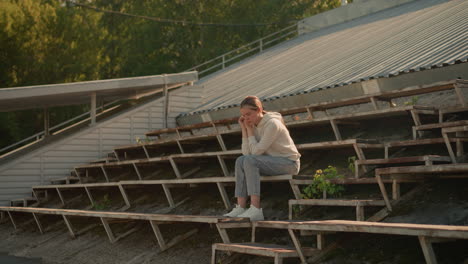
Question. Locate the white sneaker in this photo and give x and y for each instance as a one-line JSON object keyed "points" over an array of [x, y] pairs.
{"points": [[254, 213], [236, 211]]}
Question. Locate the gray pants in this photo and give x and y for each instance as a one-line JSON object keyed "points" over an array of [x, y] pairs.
{"points": [[250, 167]]}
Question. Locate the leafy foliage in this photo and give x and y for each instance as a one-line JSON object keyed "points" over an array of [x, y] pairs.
{"points": [[321, 184]]}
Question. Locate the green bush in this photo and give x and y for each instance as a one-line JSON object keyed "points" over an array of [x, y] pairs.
{"points": [[321, 184]]}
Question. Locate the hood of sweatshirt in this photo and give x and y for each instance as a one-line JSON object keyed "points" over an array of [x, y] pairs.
{"points": [[268, 116]]}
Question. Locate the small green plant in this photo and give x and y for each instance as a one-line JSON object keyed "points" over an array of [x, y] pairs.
{"points": [[104, 204], [351, 164], [321, 184], [414, 101]]}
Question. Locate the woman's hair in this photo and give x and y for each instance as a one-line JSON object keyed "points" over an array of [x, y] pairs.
{"points": [[253, 103]]}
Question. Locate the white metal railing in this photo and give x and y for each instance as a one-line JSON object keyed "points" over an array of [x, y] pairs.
{"points": [[206, 67], [220, 62], [39, 136]]}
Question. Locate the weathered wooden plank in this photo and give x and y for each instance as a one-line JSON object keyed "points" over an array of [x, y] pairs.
{"points": [[69, 226], [404, 160], [60, 196], [167, 192], [38, 223], [125, 215], [383, 191], [444, 231], [12, 220], [442, 125], [266, 250], [109, 232], [434, 169], [336, 130], [224, 195], [427, 249], [76, 185], [297, 245], [337, 202]]}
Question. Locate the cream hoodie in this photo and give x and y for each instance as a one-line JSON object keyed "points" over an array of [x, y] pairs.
{"points": [[271, 138]]}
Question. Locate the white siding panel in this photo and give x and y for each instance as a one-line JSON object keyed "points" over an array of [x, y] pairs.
{"points": [[33, 160], [58, 172], [157, 110], [94, 135], [28, 178], [183, 104], [81, 153], [28, 166], [20, 172], [81, 142], [144, 115], [141, 125], [71, 160], [122, 131], [157, 122], [122, 137], [107, 149], [140, 120], [178, 109], [93, 143], [58, 165], [116, 143], [25, 190], [140, 132], [70, 147], [23, 185], [125, 124]]}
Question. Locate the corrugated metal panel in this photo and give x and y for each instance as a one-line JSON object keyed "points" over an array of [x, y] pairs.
{"points": [[411, 37], [58, 160]]}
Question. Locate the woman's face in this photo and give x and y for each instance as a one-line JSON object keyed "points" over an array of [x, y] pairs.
{"points": [[250, 115]]}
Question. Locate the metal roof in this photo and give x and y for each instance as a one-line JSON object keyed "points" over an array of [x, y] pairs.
{"points": [[415, 36], [40, 96]]}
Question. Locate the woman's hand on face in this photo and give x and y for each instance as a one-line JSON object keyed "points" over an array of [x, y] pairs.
{"points": [[242, 122], [248, 126]]}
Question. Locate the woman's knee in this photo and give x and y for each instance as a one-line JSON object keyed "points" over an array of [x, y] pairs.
{"points": [[240, 161], [249, 161]]}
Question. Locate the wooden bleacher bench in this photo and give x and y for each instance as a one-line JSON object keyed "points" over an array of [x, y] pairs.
{"points": [[323, 106], [460, 137], [145, 148], [359, 204], [427, 234], [446, 170], [426, 159], [334, 121], [450, 110], [190, 128], [23, 201], [357, 144], [306, 180], [105, 217], [266, 250], [64, 180], [417, 129], [165, 184], [413, 142], [103, 160]]}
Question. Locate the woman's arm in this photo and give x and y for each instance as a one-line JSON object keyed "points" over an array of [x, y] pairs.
{"points": [[245, 142], [272, 130]]}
